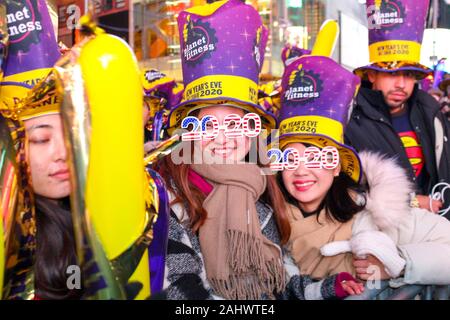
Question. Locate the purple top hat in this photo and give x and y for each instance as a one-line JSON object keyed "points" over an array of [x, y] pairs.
{"points": [[222, 53], [32, 43], [316, 96], [157, 85], [395, 35]]}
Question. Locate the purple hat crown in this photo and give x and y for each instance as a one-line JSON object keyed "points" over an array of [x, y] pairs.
{"points": [[222, 53], [304, 86], [389, 15], [32, 43], [317, 93], [24, 25], [396, 29], [317, 86], [229, 40]]}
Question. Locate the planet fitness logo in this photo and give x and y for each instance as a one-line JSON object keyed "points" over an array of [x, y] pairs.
{"points": [[304, 86], [153, 75], [24, 24], [386, 14], [199, 41]]}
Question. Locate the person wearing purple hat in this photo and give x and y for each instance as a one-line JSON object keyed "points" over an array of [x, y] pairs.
{"points": [[353, 216], [39, 270], [227, 225], [392, 115], [161, 93]]}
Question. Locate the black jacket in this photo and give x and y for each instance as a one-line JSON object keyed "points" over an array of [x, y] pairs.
{"points": [[370, 128]]}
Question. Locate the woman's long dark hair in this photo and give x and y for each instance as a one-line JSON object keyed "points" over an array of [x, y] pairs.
{"points": [[338, 203], [55, 249]]}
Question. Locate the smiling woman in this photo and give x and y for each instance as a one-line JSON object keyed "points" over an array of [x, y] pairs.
{"points": [[222, 148], [355, 218], [228, 224]]}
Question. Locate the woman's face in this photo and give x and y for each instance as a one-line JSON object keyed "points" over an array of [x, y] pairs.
{"points": [[308, 186], [223, 149], [46, 156]]}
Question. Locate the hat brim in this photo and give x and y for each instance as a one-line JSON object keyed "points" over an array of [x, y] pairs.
{"points": [[179, 112], [390, 67], [349, 159]]}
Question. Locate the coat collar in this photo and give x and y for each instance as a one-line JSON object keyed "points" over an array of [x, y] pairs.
{"points": [[372, 104], [389, 189]]}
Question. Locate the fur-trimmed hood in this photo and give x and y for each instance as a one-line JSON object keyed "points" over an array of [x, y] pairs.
{"points": [[388, 198]]}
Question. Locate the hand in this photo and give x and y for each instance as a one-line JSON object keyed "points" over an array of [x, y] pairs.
{"points": [[365, 269], [424, 203], [352, 287]]}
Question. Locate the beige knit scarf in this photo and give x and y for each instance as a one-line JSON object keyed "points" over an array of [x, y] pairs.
{"points": [[309, 234], [241, 263]]}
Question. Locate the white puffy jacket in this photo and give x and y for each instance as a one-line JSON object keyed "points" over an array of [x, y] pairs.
{"points": [[422, 237]]}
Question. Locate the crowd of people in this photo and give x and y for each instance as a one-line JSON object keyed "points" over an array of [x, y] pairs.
{"points": [[220, 224]]}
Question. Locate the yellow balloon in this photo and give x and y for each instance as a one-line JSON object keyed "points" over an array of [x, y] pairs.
{"points": [[115, 196], [326, 39]]}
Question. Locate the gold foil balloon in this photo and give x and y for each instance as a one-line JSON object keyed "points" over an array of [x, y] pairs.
{"points": [[99, 278], [8, 191], [102, 116], [3, 44], [115, 180], [17, 216]]}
